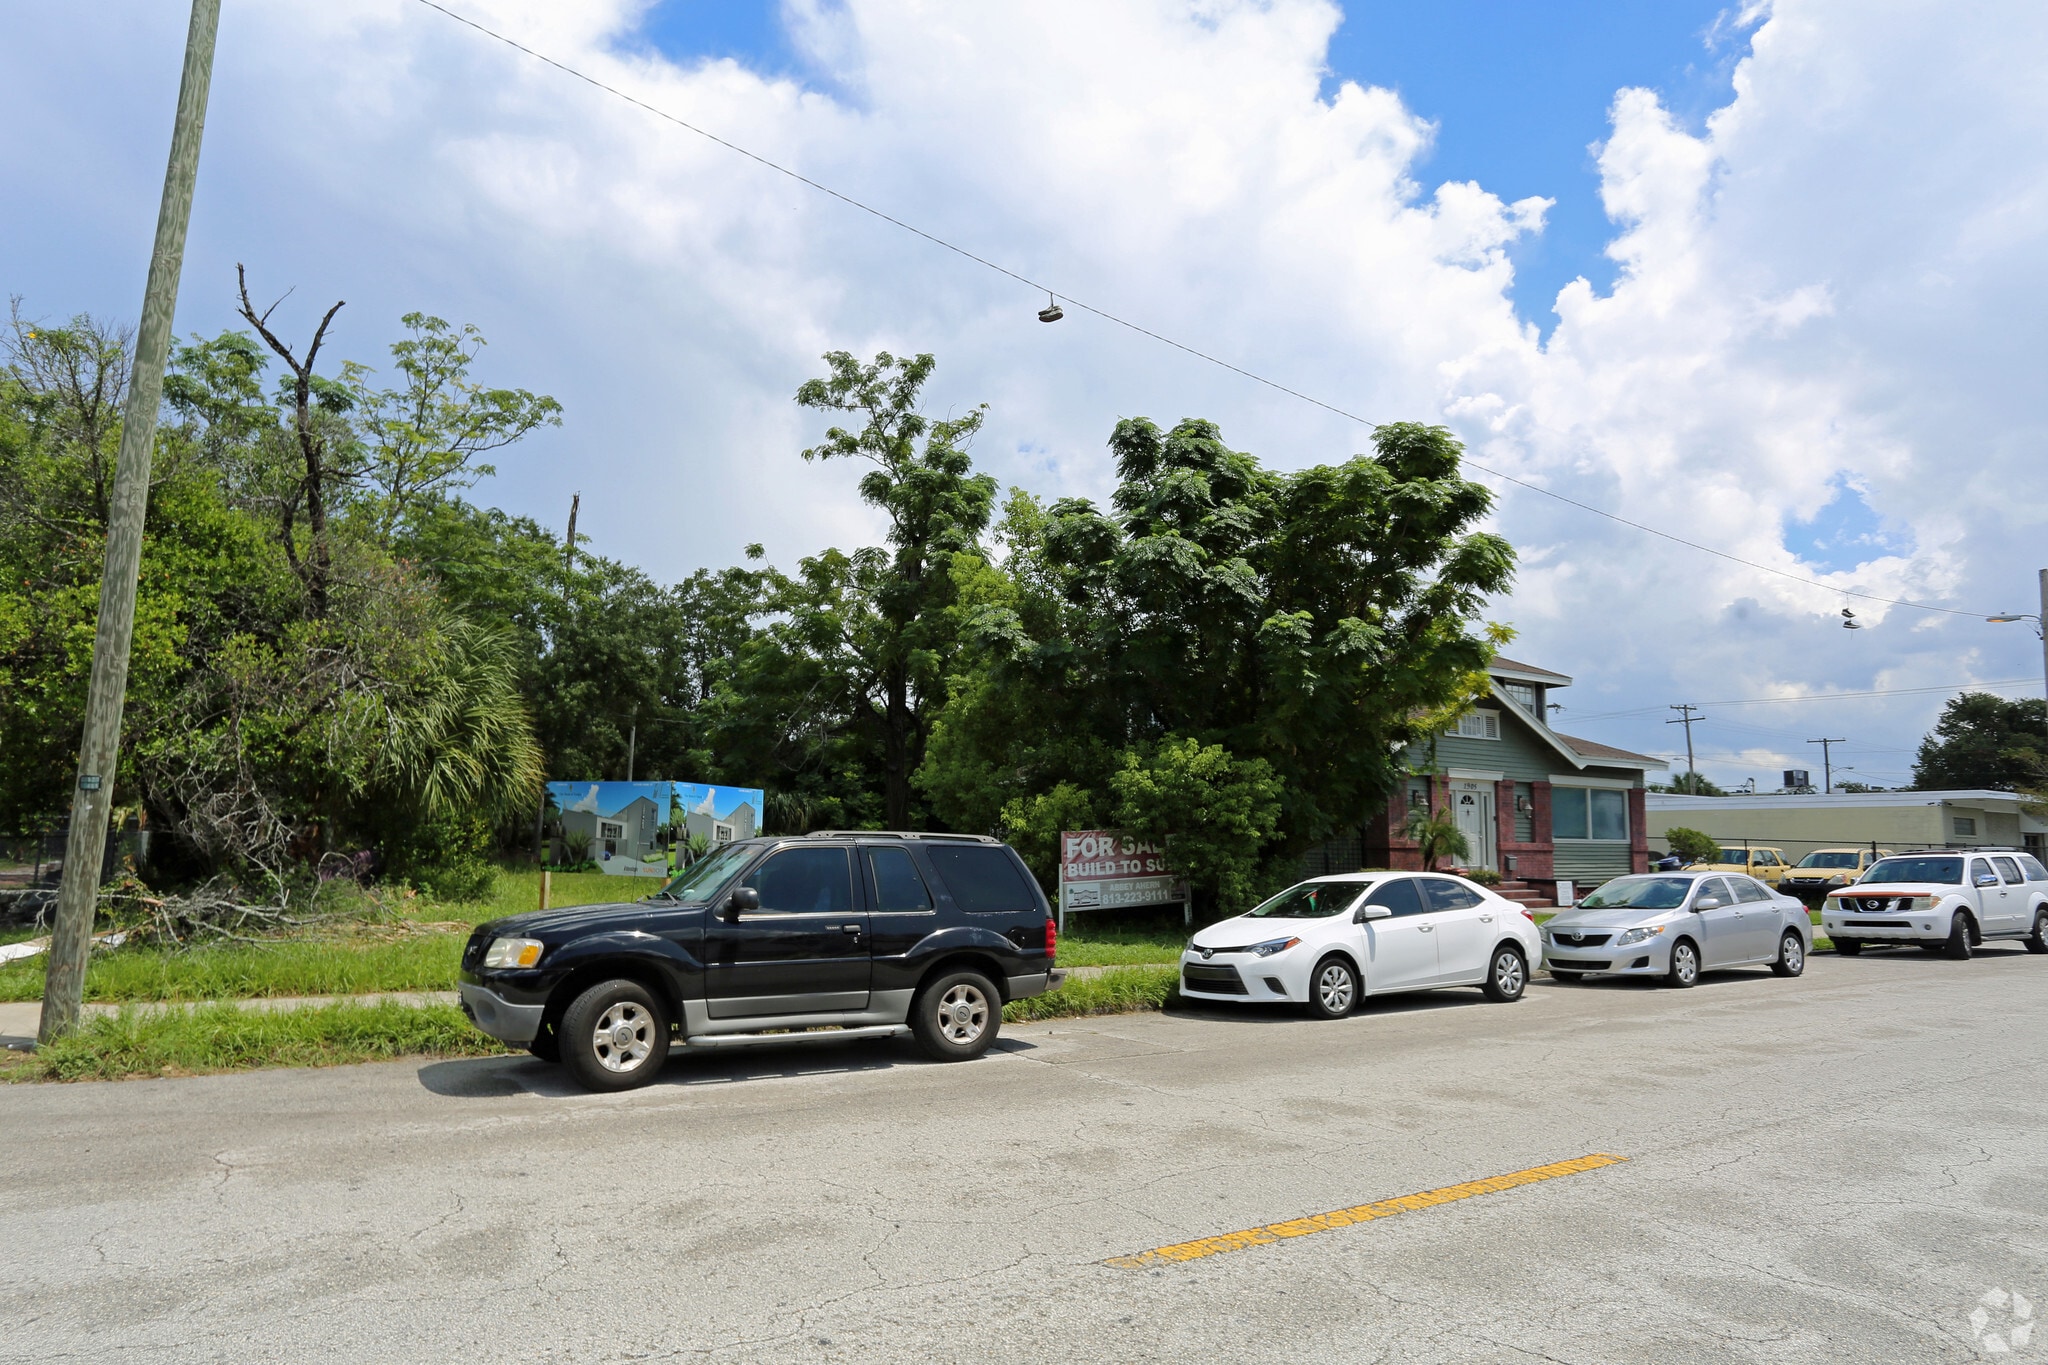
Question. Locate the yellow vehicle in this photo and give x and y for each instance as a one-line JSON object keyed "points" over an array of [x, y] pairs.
{"points": [[1826, 868], [1767, 865]]}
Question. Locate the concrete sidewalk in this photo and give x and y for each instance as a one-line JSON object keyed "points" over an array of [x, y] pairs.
{"points": [[19, 1021]]}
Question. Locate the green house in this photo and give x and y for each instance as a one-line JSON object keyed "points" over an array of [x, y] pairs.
{"points": [[1535, 805]]}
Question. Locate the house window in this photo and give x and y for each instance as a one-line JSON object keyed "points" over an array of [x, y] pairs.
{"points": [[1478, 725], [1523, 695], [1966, 826], [1589, 813]]}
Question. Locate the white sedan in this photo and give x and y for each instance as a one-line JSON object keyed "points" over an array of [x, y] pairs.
{"points": [[1328, 942]]}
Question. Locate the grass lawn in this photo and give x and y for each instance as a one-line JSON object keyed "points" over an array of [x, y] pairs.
{"points": [[1118, 991], [181, 1041], [1086, 944]]}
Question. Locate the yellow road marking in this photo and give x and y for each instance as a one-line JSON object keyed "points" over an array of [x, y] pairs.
{"points": [[1362, 1213]]}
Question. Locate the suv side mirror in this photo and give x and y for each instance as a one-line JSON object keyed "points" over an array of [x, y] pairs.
{"points": [[1366, 912], [1987, 879], [1707, 903], [742, 898]]}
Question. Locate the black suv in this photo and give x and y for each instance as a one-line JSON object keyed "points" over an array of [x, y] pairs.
{"points": [[821, 937]]}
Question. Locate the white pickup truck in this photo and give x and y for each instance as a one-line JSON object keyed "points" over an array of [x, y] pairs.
{"points": [[1943, 900]]}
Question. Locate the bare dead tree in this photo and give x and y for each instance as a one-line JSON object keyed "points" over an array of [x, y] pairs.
{"points": [[314, 443]]}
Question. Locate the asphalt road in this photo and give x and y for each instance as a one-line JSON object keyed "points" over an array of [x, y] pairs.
{"points": [[1834, 1168]]}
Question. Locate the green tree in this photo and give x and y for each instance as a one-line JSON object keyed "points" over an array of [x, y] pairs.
{"points": [[1985, 741], [1692, 845], [937, 507], [1319, 622], [1213, 814], [1690, 784]]}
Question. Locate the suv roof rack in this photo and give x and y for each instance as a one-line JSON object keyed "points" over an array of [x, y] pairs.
{"points": [[899, 834]]}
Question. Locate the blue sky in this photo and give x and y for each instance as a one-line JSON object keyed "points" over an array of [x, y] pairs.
{"points": [[1519, 90]]}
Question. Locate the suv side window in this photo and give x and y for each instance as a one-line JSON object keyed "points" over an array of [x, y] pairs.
{"points": [[1398, 895], [896, 884], [804, 881], [1747, 889], [2009, 870], [1441, 893], [982, 877], [2035, 872]]}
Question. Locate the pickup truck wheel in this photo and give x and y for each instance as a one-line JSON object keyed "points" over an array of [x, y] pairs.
{"points": [[2037, 942], [1685, 965], [1507, 976], [957, 1016], [614, 1036], [1959, 937], [1791, 956], [1848, 947]]}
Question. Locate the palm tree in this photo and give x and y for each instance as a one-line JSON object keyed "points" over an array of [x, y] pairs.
{"points": [[1436, 835]]}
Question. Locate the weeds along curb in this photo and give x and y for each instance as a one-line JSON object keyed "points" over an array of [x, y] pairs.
{"points": [[1120, 990], [179, 1040]]}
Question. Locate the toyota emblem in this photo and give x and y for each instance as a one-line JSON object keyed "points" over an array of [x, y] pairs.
{"points": [[1575, 936]]}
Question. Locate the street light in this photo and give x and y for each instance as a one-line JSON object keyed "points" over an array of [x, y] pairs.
{"points": [[2004, 618]]}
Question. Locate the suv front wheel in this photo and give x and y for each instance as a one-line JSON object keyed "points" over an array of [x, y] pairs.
{"points": [[613, 1036], [957, 1016]]}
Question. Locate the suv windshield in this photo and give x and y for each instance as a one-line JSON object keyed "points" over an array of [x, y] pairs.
{"points": [[1947, 871], [706, 877], [1310, 900], [1640, 893], [1825, 859]]}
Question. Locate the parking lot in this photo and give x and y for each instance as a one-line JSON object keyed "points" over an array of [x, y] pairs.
{"points": [[1839, 1167]]}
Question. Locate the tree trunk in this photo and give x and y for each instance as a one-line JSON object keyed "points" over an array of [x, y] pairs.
{"points": [[896, 726]]}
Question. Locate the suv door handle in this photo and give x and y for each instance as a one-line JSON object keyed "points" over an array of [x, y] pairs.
{"points": [[849, 928], [1426, 928]]}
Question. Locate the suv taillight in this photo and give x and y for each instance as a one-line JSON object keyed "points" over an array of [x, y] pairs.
{"points": [[1052, 938]]}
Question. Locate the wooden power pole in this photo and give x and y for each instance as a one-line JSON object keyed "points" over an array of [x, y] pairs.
{"points": [[99, 751]]}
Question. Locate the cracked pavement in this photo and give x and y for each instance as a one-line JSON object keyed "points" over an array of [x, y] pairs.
{"points": [[1838, 1167]]}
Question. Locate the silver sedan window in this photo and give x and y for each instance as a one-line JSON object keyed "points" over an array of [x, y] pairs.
{"points": [[1748, 889]]}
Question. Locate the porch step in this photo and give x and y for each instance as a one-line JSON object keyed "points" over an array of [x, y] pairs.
{"points": [[1524, 894]]}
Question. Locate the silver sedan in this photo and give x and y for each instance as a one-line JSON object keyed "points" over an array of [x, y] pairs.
{"points": [[1675, 925]]}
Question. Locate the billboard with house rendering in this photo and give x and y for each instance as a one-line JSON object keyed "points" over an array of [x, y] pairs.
{"points": [[632, 829]]}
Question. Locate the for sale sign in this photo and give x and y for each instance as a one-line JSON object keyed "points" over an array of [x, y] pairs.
{"points": [[1102, 869]]}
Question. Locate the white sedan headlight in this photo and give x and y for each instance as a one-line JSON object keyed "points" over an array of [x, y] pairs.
{"points": [[1642, 935], [513, 952], [1272, 946]]}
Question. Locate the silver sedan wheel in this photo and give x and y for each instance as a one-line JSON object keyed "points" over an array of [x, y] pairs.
{"points": [[1334, 987], [1794, 955], [624, 1036], [1685, 963], [963, 1014]]}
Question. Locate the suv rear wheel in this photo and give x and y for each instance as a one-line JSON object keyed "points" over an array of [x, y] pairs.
{"points": [[957, 1016], [614, 1036], [2037, 942]]}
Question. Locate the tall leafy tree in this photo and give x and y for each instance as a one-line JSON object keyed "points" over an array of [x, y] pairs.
{"points": [[898, 630], [1985, 741], [1315, 623]]}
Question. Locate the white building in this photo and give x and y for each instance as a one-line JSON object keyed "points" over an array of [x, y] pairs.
{"points": [[1895, 820]]}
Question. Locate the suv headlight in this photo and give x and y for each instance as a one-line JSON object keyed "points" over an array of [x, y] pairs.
{"points": [[1272, 946], [1643, 935], [513, 952]]}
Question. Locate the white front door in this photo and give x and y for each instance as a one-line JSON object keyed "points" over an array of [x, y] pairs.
{"points": [[1472, 802], [1399, 949]]}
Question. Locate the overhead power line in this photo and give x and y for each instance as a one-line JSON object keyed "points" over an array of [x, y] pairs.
{"points": [[1159, 337], [1810, 696]]}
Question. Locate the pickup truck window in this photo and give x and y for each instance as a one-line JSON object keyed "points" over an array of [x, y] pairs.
{"points": [[1942, 871]]}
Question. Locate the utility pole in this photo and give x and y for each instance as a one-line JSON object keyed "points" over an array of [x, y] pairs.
{"points": [[569, 544], [1827, 769], [632, 743], [99, 750], [2040, 624], [1686, 718]]}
